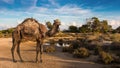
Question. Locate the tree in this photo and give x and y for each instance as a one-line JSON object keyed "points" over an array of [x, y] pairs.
{"points": [[49, 25], [73, 28], [105, 27], [95, 25], [117, 29], [84, 29]]}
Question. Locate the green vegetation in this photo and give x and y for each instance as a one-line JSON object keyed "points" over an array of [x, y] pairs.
{"points": [[6, 33], [106, 57], [81, 52], [50, 49], [49, 25], [118, 30], [95, 25], [73, 29]]}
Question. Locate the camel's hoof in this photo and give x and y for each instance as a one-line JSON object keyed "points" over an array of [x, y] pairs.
{"points": [[14, 61], [22, 61], [41, 61], [36, 61]]}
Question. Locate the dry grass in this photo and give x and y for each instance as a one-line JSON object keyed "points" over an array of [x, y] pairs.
{"points": [[115, 37]]}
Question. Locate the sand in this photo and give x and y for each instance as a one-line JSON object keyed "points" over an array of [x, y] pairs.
{"points": [[57, 59]]}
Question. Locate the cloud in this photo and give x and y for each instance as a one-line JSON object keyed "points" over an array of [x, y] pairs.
{"points": [[4, 26], [72, 9], [8, 1], [54, 3], [114, 23], [29, 3], [35, 9]]}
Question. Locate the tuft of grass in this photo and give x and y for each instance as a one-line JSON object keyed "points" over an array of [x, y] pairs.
{"points": [[49, 49], [106, 57], [81, 52]]}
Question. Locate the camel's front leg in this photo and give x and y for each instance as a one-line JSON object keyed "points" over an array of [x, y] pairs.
{"points": [[37, 51], [12, 51]]}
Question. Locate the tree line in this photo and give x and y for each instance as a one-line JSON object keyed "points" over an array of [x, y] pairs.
{"points": [[93, 25]]}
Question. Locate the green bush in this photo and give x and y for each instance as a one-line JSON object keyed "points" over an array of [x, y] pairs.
{"points": [[50, 49], [106, 57], [81, 52]]}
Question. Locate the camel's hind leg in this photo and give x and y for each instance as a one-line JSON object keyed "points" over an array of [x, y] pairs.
{"points": [[41, 50], [18, 51]]}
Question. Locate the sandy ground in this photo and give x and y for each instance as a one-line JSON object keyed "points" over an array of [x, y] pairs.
{"points": [[50, 60]]}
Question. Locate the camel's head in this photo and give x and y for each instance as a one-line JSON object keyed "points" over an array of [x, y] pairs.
{"points": [[57, 22], [55, 27]]}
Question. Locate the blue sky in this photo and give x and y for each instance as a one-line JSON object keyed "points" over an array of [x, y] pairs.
{"points": [[70, 12]]}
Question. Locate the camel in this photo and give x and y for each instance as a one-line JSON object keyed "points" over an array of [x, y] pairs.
{"points": [[32, 28]]}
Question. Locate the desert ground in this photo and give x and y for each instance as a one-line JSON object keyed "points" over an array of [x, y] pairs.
{"points": [[56, 59]]}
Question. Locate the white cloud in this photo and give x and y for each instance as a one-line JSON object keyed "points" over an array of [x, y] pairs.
{"points": [[72, 9], [64, 25], [8, 1], [35, 9], [74, 23], [29, 2], [54, 3], [114, 23], [4, 26]]}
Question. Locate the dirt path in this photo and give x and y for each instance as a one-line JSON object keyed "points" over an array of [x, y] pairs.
{"points": [[50, 60]]}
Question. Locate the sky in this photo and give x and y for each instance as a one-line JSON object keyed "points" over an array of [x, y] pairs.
{"points": [[70, 12]]}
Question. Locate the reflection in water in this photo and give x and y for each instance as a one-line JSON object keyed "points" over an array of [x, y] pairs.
{"points": [[62, 45], [58, 45]]}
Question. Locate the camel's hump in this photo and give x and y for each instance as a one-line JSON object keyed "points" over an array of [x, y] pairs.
{"points": [[30, 22]]}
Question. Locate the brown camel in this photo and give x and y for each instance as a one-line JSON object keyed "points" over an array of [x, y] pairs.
{"points": [[32, 28]]}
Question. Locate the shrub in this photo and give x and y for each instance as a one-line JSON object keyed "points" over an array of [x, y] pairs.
{"points": [[106, 57], [50, 49], [81, 52]]}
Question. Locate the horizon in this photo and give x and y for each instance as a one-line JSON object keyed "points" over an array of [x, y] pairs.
{"points": [[70, 12]]}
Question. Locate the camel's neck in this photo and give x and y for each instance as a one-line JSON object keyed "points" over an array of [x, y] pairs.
{"points": [[53, 31]]}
